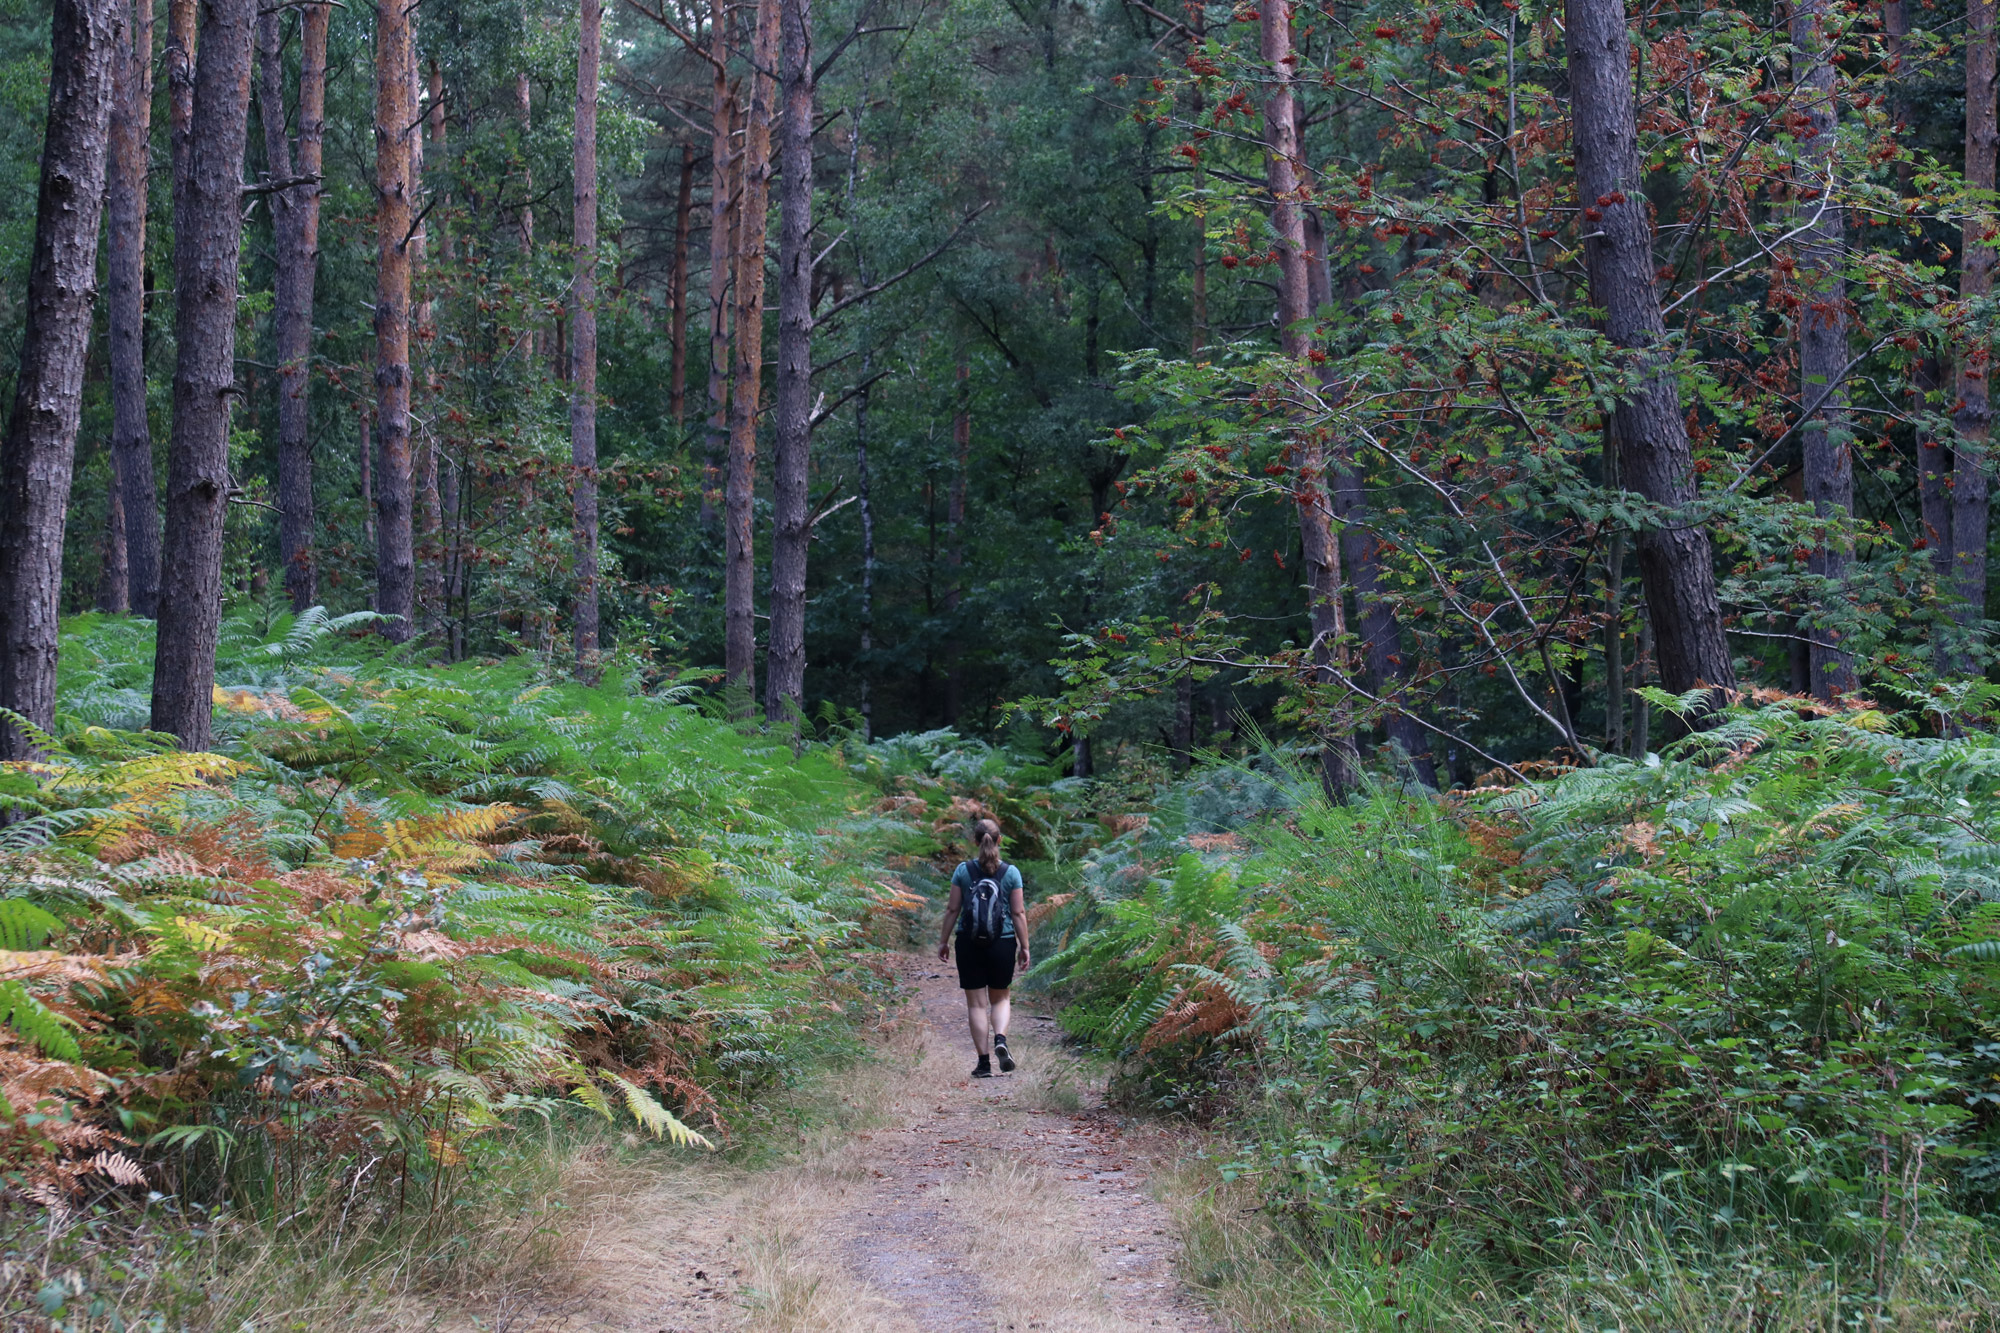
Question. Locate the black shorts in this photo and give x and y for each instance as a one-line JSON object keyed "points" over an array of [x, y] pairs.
{"points": [[984, 963]]}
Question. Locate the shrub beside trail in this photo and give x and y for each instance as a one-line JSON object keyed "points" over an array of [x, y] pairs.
{"points": [[322, 979], [1710, 1039]]}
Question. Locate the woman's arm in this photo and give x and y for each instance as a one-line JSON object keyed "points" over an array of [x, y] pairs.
{"points": [[950, 920], [1020, 909]]}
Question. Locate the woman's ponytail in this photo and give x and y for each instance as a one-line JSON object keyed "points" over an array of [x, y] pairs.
{"points": [[986, 833]]}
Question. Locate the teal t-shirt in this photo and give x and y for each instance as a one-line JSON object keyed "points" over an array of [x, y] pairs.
{"points": [[962, 880]]}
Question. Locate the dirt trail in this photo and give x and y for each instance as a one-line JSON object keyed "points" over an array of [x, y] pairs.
{"points": [[963, 1206]]}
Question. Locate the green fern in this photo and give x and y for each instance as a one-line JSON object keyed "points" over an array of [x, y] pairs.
{"points": [[24, 926], [36, 1022]]}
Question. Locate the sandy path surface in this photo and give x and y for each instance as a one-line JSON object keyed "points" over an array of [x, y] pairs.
{"points": [[961, 1206]]}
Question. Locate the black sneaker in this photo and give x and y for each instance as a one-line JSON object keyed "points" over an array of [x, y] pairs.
{"points": [[984, 1069], [1000, 1052]]}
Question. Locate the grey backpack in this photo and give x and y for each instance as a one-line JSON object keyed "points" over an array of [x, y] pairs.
{"points": [[983, 910]]}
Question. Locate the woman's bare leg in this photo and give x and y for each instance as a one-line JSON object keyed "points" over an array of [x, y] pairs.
{"points": [[979, 1018], [1000, 1009]]}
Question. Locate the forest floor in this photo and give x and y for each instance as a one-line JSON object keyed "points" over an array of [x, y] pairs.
{"points": [[942, 1204]]}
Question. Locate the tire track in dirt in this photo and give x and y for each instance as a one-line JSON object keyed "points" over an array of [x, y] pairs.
{"points": [[966, 1206]]}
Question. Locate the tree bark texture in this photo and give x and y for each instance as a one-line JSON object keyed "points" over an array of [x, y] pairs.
{"points": [[583, 341], [295, 236], [114, 577], [746, 379], [1676, 564], [1339, 766], [395, 196], [125, 306], [524, 220], [721, 261], [791, 528], [38, 452], [427, 512], [1971, 481], [208, 234], [1822, 333]]}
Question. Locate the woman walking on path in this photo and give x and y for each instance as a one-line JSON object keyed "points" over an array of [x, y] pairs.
{"points": [[992, 919]]}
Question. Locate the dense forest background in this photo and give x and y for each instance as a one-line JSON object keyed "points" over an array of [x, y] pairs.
{"points": [[1043, 194]]}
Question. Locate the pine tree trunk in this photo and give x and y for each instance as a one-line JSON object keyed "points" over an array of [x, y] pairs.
{"points": [[1339, 765], [746, 380], [1829, 465], [1675, 560], [678, 284], [791, 532], [1971, 469], [181, 20], [722, 211], [208, 235], [395, 197], [125, 307], [114, 577], [295, 235], [427, 510], [38, 452], [524, 221], [583, 342]]}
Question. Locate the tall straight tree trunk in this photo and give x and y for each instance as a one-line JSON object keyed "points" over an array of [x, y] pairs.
{"points": [[114, 577], [295, 235], [583, 342], [427, 513], [722, 211], [1971, 469], [866, 503], [746, 380], [438, 493], [208, 236], [678, 305], [1339, 765], [181, 22], [791, 528], [38, 452], [1829, 465], [1676, 564], [125, 306], [395, 195]]}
